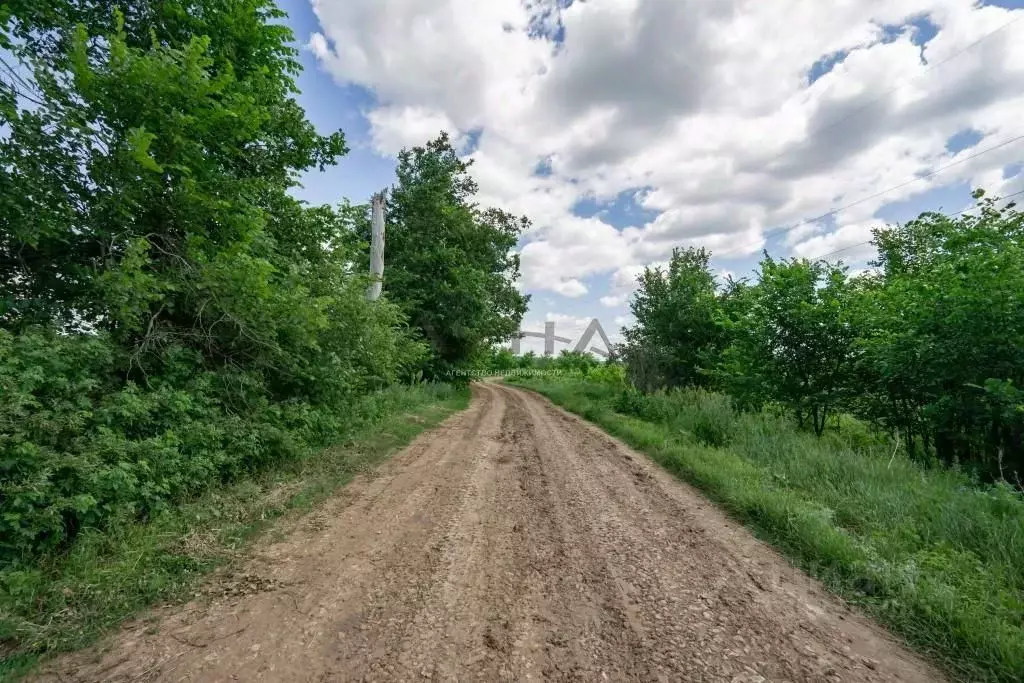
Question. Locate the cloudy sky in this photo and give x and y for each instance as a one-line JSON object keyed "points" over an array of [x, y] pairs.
{"points": [[623, 128]]}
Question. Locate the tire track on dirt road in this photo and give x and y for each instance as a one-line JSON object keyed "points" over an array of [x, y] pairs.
{"points": [[513, 542]]}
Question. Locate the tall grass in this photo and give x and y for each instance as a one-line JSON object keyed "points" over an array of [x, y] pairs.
{"points": [[930, 553]]}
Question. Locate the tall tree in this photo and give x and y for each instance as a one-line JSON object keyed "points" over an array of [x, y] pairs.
{"points": [[942, 352], [676, 327], [169, 314], [449, 264], [792, 342], [138, 193]]}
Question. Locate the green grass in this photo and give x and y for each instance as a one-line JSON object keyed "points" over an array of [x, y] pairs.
{"points": [[67, 602], [927, 552]]}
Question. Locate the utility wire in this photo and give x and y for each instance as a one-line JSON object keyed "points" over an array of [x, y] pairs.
{"points": [[18, 78], [13, 72], [863, 106], [886, 191], [925, 176], [899, 85], [861, 244]]}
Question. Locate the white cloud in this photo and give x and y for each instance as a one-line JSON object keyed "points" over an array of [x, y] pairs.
{"points": [[613, 301], [704, 107], [569, 288], [625, 278], [623, 283], [847, 243], [574, 322], [803, 231], [394, 128], [723, 275]]}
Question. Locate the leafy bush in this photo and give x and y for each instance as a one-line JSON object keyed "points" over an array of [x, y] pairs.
{"points": [[172, 317], [80, 447], [66, 600], [941, 348], [612, 374], [929, 348]]}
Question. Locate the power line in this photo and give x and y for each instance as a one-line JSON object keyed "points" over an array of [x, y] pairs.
{"points": [[957, 213], [863, 106], [14, 73], [898, 85], [886, 191], [19, 79], [925, 176]]}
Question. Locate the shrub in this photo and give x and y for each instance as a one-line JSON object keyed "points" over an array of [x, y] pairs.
{"points": [[612, 374], [81, 447]]}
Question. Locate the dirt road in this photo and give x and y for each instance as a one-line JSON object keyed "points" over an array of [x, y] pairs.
{"points": [[514, 542]]}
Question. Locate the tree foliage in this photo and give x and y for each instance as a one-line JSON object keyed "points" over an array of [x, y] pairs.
{"points": [[791, 342], [929, 347], [942, 337], [170, 316], [450, 264], [676, 311]]}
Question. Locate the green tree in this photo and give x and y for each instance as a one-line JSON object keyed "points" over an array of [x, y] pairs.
{"points": [[171, 315], [676, 329], [575, 362], [137, 197], [793, 342], [450, 264], [942, 351]]}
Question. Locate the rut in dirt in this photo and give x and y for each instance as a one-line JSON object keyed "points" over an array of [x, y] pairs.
{"points": [[513, 542]]}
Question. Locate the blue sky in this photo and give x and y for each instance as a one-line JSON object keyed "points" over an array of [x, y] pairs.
{"points": [[332, 106], [619, 149]]}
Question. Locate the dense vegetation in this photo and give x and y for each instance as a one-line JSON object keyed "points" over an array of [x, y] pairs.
{"points": [[928, 347], [937, 558], [172, 320], [451, 264], [66, 600]]}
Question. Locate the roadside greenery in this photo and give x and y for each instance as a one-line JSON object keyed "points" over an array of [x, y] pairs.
{"points": [[451, 264], [928, 347], [172, 318], [174, 324], [937, 558], [66, 601]]}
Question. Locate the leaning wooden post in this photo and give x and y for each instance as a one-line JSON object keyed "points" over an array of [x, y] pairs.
{"points": [[376, 247]]}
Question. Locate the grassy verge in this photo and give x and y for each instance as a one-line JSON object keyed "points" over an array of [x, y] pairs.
{"points": [[927, 552], [67, 601]]}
